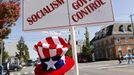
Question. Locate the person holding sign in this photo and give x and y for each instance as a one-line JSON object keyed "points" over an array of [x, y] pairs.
{"points": [[52, 52]]}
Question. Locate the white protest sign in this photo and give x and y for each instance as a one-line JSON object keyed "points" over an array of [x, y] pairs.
{"points": [[90, 11], [40, 14], [46, 14]]}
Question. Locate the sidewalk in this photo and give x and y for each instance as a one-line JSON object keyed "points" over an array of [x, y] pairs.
{"points": [[105, 68]]}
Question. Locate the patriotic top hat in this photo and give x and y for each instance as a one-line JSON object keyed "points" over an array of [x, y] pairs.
{"points": [[51, 52]]}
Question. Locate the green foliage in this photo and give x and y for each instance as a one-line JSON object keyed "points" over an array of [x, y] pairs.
{"points": [[69, 52], [23, 50], [5, 32], [86, 51], [26, 55], [87, 38], [9, 14], [10, 11], [5, 56]]}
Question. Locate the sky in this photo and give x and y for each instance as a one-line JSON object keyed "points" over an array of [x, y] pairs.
{"points": [[121, 8]]}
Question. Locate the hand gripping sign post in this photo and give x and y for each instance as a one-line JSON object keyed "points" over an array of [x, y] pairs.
{"points": [[58, 14]]}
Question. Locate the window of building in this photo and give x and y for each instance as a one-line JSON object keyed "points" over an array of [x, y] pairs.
{"points": [[127, 39], [100, 34], [132, 51], [120, 53], [129, 48], [96, 35], [129, 28], [121, 28], [118, 40]]}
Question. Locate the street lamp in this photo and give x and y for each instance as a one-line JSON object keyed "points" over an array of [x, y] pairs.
{"points": [[131, 17]]}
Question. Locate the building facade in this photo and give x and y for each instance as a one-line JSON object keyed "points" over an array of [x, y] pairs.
{"points": [[112, 40]]}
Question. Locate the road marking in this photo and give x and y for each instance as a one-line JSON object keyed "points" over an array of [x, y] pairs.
{"points": [[33, 72], [110, 67], [24, 67], [18, 73], [123, 70], [85, 74], [87, 66], [25, 73]]}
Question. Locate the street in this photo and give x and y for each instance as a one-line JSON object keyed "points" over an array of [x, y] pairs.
{"points": [[94, 68], [24, 71], [106, 68]]}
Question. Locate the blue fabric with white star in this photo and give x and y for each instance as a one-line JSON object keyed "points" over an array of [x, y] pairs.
{"points": [[59, 63]]}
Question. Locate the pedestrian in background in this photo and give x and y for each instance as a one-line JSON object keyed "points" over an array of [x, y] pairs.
{"points": [[8, 68], [120, 58], [129, 57]]}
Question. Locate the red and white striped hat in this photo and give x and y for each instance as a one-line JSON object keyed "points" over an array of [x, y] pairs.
{"points": [[51, 47]]}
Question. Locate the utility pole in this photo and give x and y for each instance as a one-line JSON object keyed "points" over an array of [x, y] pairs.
{"points": [[131, 17], [1, 48]]}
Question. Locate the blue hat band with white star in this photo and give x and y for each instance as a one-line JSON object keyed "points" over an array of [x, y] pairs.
{"points": [[53, 63]]}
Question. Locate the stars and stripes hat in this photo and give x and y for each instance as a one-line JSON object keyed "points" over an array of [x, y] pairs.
{"points": [[51, 46], [51, 52]]}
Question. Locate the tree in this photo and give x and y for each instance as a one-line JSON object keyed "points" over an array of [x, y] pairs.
{"points": [[69, 52], [5, 56], [26, 54], [86, 47], [87, 38], [23, 50], [9, 14]]}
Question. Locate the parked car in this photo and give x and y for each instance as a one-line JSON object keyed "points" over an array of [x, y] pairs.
{"points": [[15, 67], [30, 63], [37, 62], [14, 64], [4, 68]]}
